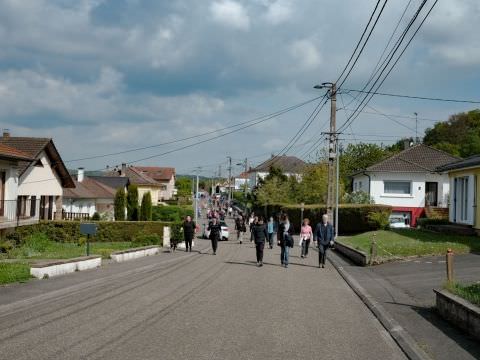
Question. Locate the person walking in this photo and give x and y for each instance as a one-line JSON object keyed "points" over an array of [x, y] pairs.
{"points": [[260, 236], [306, 235], [240, 227], [215, 232], [189, 228], [285, 238], [272, 229], [251, 222], [324, 236]]}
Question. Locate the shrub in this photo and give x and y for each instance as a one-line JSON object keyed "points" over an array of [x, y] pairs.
{"points": [[146, 207], [132, 203], [357, 197], [171, 213], [145, 239], [423, 222], [95, 216], [120, 204], [379, 220], [6, 246]]}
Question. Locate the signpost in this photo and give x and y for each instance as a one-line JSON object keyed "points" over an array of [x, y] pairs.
{"points": [[88, 229]]}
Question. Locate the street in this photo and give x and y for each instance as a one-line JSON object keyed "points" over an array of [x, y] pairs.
{"points": [[193, 306]]}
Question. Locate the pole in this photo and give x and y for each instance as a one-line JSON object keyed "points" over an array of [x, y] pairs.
{"points": [[196, 201], [88, 245], [245, 185], [416, 127], [229, 180], [337, 188], [331, 149], [449, 262]]}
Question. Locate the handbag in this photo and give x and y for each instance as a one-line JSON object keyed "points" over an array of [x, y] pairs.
{"points": [[288, 240], [300, 243]]}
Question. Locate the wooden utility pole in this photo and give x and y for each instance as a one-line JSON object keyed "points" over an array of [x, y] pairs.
{"points": [[229, 179], [332, 148]]}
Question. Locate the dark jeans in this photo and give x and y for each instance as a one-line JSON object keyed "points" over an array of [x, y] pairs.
{"points": [[188, 243], [305, 246], [259, 248], [270, 239], [214, 244], [322, 253], [284, 255]]}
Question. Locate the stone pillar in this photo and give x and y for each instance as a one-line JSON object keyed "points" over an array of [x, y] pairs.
{"points": [[58, 208], [166, 237]]}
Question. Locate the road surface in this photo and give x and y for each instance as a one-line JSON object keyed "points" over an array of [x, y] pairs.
{"points": [[193, 306]]}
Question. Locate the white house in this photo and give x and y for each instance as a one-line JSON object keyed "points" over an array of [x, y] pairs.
{"points": [[408, 181], [290, 166], [34, 180], [165, 176]]}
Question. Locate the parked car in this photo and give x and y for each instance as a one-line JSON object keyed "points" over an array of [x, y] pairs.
{"points": [[224, 235], [398, 222]]}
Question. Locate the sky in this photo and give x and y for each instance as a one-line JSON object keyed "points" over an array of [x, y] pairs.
{"points": [[106, 76]]}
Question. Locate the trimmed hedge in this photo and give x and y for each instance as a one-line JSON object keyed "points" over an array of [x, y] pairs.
{"points": [[423, 222], [171, 213], [353, 218], [107, 231]]}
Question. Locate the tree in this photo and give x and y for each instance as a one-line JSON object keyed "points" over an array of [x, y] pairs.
{"points": [[184, 186], [146, 207], [120, 203], [314, 184], [357, 197], [132, 203]]}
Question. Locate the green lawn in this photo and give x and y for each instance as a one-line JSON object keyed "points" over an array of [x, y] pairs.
{"points": [[401, 243], [14, 272], [470, 293]]}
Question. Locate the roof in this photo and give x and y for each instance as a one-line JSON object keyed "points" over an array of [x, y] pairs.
{"points": [[472, 161], [288, 164], [157, 173], [243, 175], [419, 159], [136, 177], [89, 189], [7, 152], [33, 147], [115, 182]]}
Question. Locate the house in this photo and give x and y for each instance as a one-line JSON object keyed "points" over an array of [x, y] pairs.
{"points": [[408, 181], [240, 180], [165, 176], [290, 166], [40, 176], [465, 187], [92, 194]]}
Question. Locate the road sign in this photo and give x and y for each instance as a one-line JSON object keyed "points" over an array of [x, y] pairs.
{"points": [[88, 229]]}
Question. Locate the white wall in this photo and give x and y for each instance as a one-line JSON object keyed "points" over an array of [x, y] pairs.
{"points": [[11, 179], [360, 183], [79, 206], [38, 180]]}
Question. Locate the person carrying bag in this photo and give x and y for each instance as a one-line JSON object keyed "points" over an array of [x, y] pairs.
{"points": [[285, 239]]}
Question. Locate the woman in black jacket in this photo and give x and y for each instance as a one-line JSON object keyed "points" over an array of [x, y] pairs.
{"points": [[215, 233], [260, 234], [285, 238]]}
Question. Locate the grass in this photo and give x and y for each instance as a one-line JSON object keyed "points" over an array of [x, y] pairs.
{"points": [[14, 272], [470, 293], [402, 243]]}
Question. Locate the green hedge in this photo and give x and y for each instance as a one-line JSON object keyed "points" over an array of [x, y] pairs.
{"points": [[353, 218], [423, 222], [171, 213], [107, 231]]}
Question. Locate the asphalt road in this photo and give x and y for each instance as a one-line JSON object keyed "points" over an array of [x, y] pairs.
{"points": [[193, 306]]}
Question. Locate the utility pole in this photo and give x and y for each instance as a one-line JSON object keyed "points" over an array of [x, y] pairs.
{"points": [[196, 198], [416, 127], [246, 179], [339, 150], [229, 179]]}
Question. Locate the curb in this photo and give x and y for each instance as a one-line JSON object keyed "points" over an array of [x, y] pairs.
{"points": [[403, 339]]}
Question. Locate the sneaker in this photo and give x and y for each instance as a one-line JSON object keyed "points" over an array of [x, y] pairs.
{"points": [[302, 256], [261, 263], [323, 266]]}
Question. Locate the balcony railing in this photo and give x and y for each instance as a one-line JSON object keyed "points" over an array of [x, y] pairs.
{"points": [[19, 212], [74, 216]]}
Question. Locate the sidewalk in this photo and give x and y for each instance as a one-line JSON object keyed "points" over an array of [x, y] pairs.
{"points": [[404, 289]]}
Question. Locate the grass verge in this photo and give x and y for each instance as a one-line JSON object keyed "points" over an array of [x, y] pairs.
{"points": [[403, 243], [470, 293], [14, 272]]}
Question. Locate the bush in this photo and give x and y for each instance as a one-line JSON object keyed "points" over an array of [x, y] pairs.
{"points": [[423, 222], [357, 197], [379, 220], [171, 213], [6, 246], [95, 217], [146, 207], [120, 204], [107, 231], [132, 203], [353, 218], [145, 239]]}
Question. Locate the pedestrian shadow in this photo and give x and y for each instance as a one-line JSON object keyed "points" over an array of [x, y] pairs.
{"points": [[431, 315], [250, 263], [305, 265]]}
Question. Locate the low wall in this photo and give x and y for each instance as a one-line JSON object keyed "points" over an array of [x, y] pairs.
{"points": [[61, 267], [358, 257], [458, 311], [135, 253]]}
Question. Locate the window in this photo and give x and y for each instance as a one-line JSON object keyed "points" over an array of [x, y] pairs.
{"points": [[355, 186], [359, 186], [397, 187]]}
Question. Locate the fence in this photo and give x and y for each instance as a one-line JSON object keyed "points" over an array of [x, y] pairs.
{"points": [[75, 216], [19, 212]]}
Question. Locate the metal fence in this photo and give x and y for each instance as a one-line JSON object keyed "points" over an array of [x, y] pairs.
{"points": [[22, 211]]}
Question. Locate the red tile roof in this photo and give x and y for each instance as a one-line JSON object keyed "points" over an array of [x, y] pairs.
{"points": [[160, 174], [12, 153]]}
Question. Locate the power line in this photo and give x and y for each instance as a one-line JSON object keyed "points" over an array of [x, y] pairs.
{"points": [[393, 115], [416, 97]]}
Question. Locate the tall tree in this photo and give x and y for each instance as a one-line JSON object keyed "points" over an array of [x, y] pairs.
{"points": [[314, 184], [360, 156], [120, 203], [132, 202], [146, 207], [184, 186]]}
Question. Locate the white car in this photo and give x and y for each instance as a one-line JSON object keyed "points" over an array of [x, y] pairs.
{"points": [[398, 222], [224, 234]]}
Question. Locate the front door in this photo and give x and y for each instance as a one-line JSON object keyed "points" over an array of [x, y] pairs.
{"points": [[431, 194]]}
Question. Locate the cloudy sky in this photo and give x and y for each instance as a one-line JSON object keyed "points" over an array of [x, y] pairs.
{"points": [[104, 76]]}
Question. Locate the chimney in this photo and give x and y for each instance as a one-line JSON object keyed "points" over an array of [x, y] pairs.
{"points": [[406, 144], [123, 172], [80, 174], [6, 133]]}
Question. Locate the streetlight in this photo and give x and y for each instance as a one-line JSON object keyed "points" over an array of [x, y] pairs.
{"points": [[416, 127]]}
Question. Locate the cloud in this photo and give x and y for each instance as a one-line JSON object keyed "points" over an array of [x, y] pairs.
{"points": [[279, 12], [231, 14], [306, 54]]}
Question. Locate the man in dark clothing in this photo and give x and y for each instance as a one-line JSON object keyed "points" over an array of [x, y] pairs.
{"points": [[324, 236], [189, 228], [285, 239], [260, 234], [215, 233]]}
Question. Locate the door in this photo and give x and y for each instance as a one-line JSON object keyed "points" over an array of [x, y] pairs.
{"points": [[431, 194], [2, 192]]}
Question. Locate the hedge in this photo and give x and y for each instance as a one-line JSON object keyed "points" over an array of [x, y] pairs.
{"points": [[353, 218], [107, 231], [422, 222], [171, 213]]}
